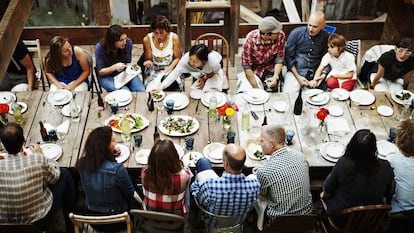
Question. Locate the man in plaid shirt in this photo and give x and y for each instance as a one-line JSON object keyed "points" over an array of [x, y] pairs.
{"points": [[32, 187], [232, 194], [263, 55]]}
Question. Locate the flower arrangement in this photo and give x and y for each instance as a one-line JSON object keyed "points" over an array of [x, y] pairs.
{"points": [[4, 110], [227, 112], [321, 115]]}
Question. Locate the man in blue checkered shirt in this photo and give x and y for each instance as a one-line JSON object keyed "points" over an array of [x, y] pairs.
{"points": [[232, 194]]}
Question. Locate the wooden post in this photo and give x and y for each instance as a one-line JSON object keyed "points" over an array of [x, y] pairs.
{"points": [[102, 12], [11, 27]]}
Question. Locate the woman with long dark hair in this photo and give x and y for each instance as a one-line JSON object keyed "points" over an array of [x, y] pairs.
{"points": [[165, 180], [359, 177], [107, 185], [113, 53]]}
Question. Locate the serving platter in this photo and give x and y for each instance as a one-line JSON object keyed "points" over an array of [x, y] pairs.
{"points": [[138, 122], [179, 125]]}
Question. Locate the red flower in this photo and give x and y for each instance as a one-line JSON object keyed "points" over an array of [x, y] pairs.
{"points": [[322, 114], [4, 108], [222, 110]]}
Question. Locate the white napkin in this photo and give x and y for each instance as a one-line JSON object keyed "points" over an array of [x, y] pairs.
{"points": [[336, 125], [385, 148], [122, 78], [260, 207], [206, 175], [64, 127]]}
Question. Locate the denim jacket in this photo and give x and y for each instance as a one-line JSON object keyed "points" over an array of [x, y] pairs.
{"points": [[109, 189]]}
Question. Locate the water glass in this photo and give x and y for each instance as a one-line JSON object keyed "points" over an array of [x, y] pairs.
{"points": [[114, 107], [289, 136], [138, 140], [230, 137], [245, 120], [212, 109], [393, 135], [189, 142], [170, 106]]}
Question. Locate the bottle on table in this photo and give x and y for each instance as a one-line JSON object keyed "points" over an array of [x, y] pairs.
{"points": [[156, 135], [17, 113], [43, 132], [150, 102], [74, 111], [100, 101], [297, 109]]}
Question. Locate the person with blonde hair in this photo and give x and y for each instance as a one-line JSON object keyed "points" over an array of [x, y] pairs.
{"points": [[67, 67], [165, 180], [403, 165], [342, 63]]}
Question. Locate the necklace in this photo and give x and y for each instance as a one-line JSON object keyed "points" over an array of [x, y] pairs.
{"points": [[161, 45]]}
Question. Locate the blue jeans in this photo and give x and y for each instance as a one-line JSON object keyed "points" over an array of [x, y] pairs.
{"points": [[135, 85]]}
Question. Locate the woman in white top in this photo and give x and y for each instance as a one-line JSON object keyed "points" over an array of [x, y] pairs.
{"points": [[161, 47]]}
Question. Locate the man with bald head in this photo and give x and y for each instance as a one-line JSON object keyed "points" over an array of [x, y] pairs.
{"points": [[304, 50], [284, 180], [233, 193]]}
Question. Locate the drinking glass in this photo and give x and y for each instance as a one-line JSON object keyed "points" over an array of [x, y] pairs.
{"points": [[170, 106], [212, 109]]}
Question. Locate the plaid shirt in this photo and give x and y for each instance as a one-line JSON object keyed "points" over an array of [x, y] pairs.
{"points": [[284, 180], [24, 193], [172, 199], [228, 195], [260, 55]]}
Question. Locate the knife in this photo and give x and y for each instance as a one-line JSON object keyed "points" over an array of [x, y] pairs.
{"points": [[254, 115], [196, 109], [389, 101]]}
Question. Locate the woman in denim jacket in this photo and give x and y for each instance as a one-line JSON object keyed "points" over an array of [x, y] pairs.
{"points": [[107, 185]]}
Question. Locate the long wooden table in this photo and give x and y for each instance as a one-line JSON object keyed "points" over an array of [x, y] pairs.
{"points": [[307, 137]]}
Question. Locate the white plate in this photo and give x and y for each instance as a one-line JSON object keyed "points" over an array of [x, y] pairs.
{"points": [[190, 159], [400, 93], [280, 106], [22, 104], [384, 110], [335, 110], [340, 94], [124, 153], [115, 120], [332, 150], [386, 148], [180, 100], [221, 98], [142, 156], [66, 110], [214, 152], [320, 99], [51, 151], [183, 121], [59, 97], [256, 96], [121, 95], [196, 94], [252, 146], [7, 97], [160, 96], [133, 69], [362, 97]]}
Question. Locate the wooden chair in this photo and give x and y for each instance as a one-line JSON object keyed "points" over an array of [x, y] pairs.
{"points": [[34, 47], [221, 223], [293, 223], [154, 221], [366, 219], [19, 228], [80, 220], [218, 43]]}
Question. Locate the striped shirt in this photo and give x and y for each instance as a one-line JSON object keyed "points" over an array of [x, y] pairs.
{"points": [[284, 180], [229, 195], [171, 200], [24, 193]]}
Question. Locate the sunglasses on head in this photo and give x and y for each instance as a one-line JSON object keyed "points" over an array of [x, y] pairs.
{"points": [[267, 33]]}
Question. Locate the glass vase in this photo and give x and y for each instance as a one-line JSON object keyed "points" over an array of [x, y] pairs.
{"points": [[227, 122]]}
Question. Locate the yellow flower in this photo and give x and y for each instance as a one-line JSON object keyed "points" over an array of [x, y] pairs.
{"points": [[230, 112]]}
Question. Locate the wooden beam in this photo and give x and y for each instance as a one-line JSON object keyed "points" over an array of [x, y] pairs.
{"points": [[249, 16], [11, 27], [291, 11]]}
